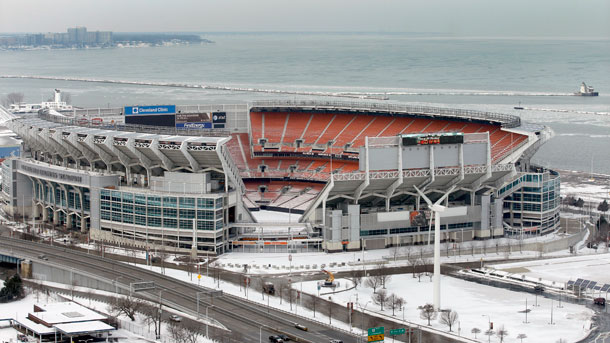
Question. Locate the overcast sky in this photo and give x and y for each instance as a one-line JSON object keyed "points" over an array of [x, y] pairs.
{"points": [[506, 18]]}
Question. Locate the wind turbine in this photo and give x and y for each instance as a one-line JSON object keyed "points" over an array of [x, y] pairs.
{"points": [[437, 209]]}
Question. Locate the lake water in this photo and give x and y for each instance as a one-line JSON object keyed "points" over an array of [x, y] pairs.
{"points": [[437, 71]]}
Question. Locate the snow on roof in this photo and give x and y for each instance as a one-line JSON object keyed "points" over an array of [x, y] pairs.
{"points": [[84, 327], [39, 329], [66, 312]]}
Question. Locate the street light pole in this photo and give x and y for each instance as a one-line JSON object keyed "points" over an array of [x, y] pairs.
{"points": [[160, 311], [362, 309], [207, 319]]}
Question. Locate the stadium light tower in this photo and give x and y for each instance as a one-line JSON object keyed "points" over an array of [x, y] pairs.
{"points": [[437, 208]]}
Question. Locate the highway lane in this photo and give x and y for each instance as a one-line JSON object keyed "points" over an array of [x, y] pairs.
{"points": [[233, 312]]}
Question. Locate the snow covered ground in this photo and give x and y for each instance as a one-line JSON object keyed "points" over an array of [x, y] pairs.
{"points": [[476, 305], [594, 267], [265, 216]]}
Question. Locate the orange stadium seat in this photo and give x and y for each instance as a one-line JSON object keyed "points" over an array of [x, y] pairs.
{"points": [[316, 127], [338, 124], [297, 122], [357, 125], [274, 126], [375, 127]]}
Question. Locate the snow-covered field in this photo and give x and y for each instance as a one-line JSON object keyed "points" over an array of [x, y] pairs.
{"points": [[590, 267], [476, 305]]}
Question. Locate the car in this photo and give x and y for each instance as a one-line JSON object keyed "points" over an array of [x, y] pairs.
{"points": [[276, 339], [175, 318], [599, 301], [43, 257], [301, 327], [336, 341], [284, 337], [538, 288]]}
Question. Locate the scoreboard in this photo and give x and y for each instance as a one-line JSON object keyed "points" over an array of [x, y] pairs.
{"points": [[432, 139]]}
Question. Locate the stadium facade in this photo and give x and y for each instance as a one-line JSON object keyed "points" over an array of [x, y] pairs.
{"points": [[189, 177]]}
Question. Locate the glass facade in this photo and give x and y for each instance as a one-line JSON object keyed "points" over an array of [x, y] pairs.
{"points": [[7, 179], [68, 198], [534, 202], [172, 212]]}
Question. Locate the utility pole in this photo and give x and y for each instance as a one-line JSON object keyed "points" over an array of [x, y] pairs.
{"points": [[526, 311]]}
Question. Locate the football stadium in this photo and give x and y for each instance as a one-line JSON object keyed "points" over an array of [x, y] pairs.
{"points": [[357, 175]]}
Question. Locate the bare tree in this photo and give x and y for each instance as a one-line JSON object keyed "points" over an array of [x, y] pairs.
{"points": [[385, 278], [395, 302], [311, 303], [126, 305], [427, 312], [429, 267], [412, 260], [356, 277], [37, 289], [502, 332], [192, 332], [12, 98], [521, 336], [396, 250], [163, 256], [475, 331], [382, 272], [380, 298], [177, 332], [408, 250], [283, 288], [448, 318], [420, 269], [152, 315], [373, 282]]}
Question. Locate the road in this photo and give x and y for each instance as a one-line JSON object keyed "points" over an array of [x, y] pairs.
{"points": [[245, 320]]}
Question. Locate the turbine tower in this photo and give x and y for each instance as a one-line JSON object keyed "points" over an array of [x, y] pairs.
{"points": [[437, 209]]}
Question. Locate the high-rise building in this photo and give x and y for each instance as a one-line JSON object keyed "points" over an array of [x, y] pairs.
{"points": [[71, 35], [103, 37]]}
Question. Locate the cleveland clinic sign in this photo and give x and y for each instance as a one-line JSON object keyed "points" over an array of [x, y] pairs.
{"points": [[159, 109]]}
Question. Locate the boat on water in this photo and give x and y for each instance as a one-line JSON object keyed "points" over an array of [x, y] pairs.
{"points": [[586, 91], [56, 105], [518, 107]]}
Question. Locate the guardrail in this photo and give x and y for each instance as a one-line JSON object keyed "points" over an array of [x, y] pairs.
{"points": [[506, 120]]}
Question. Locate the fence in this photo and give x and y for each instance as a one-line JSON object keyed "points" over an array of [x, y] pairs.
{"points": [[494, 246]]}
